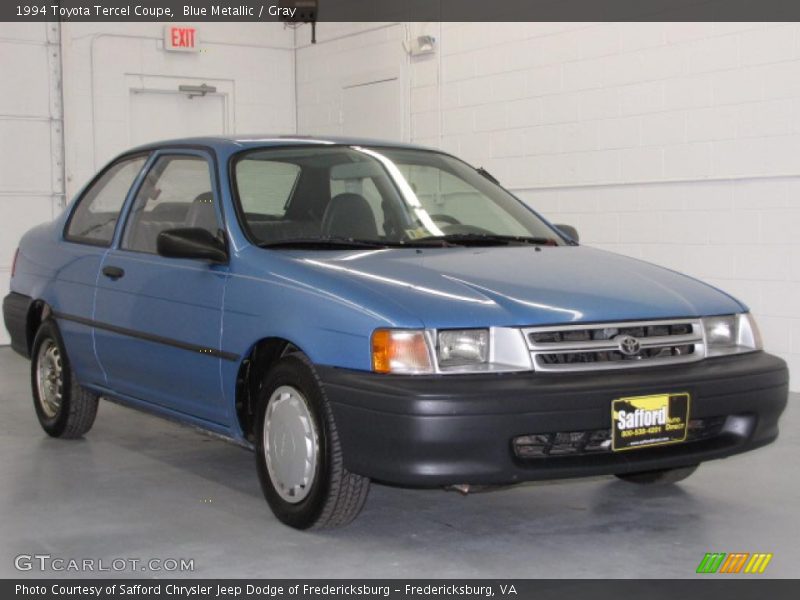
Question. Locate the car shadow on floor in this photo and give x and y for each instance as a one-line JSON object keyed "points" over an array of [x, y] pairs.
{"points": [[128, 447]]}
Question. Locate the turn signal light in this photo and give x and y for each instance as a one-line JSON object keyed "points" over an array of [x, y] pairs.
{"points": [[400, 351]]}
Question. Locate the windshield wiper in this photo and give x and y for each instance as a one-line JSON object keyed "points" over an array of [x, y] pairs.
{"points": [[326, 242], [487, 239], [453, 239]]}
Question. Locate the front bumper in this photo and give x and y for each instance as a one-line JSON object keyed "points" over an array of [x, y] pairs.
{"points": [[456, 429]]}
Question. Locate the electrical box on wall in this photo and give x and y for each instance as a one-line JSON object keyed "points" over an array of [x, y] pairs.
{"points": [[422, 45], [181, 38]]}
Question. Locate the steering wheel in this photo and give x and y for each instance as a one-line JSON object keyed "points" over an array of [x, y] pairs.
{"points": [[446, 219], [465, 230]]}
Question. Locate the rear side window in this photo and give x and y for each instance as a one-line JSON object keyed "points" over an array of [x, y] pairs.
{"points": [[97, 213], [176, 193]]}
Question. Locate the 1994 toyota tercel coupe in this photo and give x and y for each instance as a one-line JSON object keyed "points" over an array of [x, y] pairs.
{"points": [[360, 310]]}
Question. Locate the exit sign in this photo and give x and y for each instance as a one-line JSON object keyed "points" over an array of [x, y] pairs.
{"points": [[181, 38]]}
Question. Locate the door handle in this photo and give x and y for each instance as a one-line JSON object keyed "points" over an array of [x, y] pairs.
{"points": [[113, 272]]}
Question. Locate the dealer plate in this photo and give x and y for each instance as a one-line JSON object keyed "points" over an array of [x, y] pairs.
{"points": [[645, 421]]}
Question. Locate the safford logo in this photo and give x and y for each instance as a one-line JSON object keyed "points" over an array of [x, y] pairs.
{"points": [[641, 418]]}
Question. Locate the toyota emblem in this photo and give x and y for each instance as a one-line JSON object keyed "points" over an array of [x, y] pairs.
{"points": [[628, 345]]}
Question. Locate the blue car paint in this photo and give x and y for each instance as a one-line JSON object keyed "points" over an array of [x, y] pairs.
{"points": [[327, 303], [186, 296], [520, 285]]}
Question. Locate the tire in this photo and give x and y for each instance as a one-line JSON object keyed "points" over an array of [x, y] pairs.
{"points": [[64, 408], [659, 477], [292, 403]]}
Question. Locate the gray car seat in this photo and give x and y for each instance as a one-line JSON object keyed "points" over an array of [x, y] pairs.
{"points": [[202, 213], [349, 215]]}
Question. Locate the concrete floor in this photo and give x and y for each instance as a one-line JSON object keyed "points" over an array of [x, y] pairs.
{"points": [[141, 487]]}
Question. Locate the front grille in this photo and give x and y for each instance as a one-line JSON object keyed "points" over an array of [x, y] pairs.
{"points": [[600, 346], [579, 443]]}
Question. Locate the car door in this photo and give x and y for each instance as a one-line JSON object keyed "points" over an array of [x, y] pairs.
{"points": [[158, 320], [88, 234]]}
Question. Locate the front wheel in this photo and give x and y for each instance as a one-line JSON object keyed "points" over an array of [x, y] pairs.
{"points": [[658, 477], [298, 455], [64, 408]]}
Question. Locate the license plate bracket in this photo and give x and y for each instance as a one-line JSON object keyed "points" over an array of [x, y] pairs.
{"points": [[647, 421]]}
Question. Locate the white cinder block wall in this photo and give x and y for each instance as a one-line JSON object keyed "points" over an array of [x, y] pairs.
{"points": [[31, 181], [678, 143], [252, 64]]}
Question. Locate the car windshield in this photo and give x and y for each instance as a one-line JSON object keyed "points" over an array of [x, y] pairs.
{"points": [[332, 196]]}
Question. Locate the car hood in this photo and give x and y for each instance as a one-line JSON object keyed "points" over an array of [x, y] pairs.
{"points": [[517, 285]]}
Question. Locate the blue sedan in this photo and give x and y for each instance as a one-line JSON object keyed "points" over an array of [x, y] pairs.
{"points": [[357, 310]]}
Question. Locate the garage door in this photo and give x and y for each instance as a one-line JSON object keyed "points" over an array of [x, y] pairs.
{"points": [[31, 147], [373, 110]]}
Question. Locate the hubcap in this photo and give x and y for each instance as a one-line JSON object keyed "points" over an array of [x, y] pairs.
{"points": [[291, 444], [49, 378]]}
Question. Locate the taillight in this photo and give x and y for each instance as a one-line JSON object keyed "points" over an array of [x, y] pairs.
{"points": [[14, 262]]}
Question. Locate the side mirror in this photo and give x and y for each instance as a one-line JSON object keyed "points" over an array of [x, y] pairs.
{"points": [[569, 231], [191, 242]]}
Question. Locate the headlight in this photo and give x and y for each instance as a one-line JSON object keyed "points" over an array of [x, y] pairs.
{"points": [[464, 347], [731, 334], [400, 351], [721, 331], [449, 351]]}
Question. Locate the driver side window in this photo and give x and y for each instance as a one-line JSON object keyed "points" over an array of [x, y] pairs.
{"points": [[176, 193], [450, 201]]}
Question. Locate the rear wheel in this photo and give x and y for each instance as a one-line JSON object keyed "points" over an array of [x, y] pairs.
{"points": [[298, 455], [658, 477], [64, 408]]}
